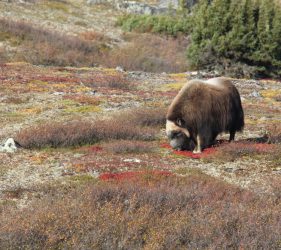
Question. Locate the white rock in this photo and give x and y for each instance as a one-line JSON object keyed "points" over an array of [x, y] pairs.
{"points": [[58, 93], [132, 160], [9, 146], [194, 73], [119, 68]]}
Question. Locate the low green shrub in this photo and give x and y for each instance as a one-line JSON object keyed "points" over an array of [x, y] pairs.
{"points": [[164, 24]]}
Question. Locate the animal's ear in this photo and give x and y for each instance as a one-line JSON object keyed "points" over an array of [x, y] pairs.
{"points": [[180, 122]]}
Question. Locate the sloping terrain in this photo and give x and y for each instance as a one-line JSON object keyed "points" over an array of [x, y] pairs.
{"points": [[69, 17]]}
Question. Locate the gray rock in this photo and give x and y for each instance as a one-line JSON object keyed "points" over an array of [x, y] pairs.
{"points": [[139, 8], [176, 3], [134, 7], [169, 4], [96, 1]]}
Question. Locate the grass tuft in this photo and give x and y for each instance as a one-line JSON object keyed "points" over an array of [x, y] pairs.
{"points": [[150, 53], [274, 133], [126, 146], [123, 126]]}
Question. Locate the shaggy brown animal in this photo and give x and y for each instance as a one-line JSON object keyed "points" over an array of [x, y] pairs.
{"points": [[201, 111]]}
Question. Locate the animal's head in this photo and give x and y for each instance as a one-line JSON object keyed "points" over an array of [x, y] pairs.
{"points": [[178, 136]]}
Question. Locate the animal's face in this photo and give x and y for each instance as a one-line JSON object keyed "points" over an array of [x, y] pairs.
{"points": [[178, 140], [179, 137]]}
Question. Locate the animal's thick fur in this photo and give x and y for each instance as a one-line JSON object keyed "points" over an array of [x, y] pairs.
{"points": [[205, 109]]}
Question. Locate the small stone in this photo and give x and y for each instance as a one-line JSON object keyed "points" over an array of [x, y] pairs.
{"points": [[229, 170], [132, 160], [119, 68], [255, 94], [93, 92], [263, 118], [58, 93], [95, 174], [9, 146], [194, 73]]}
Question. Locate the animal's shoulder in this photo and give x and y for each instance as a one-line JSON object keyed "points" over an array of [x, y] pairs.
{"points": [[197, 86], [191, 85]]}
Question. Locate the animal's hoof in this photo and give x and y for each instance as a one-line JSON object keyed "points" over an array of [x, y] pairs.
{"points": [[197, 152]]}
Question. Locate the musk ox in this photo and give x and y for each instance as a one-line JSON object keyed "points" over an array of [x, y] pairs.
{"points": [[202, 110]]}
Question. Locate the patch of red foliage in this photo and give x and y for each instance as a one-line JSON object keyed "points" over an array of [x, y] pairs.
{"points": [[169, 94], [206, 152], [258, 147], [132, 175], [91, 149], [95, 149], [56, 79]]}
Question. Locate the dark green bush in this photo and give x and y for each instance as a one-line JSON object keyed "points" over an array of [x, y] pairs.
{"points": [[237, 37], [164, 24]]}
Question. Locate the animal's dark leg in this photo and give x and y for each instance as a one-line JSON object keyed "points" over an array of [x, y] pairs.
{"points": [[231, 136], [206, 138], [214, 136]]}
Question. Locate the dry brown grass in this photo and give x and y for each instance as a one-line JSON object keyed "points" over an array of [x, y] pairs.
{"points": [[122, 126], [119, 129], [237, 150], [126, 146], [83, 99], [113, 80], [166, 212], [278, 98], [58, 135], [274, 133], [135, 124], [147, 52], [3, 55], [146, 116], [39, 46], [94, 36], [15, 100]]}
